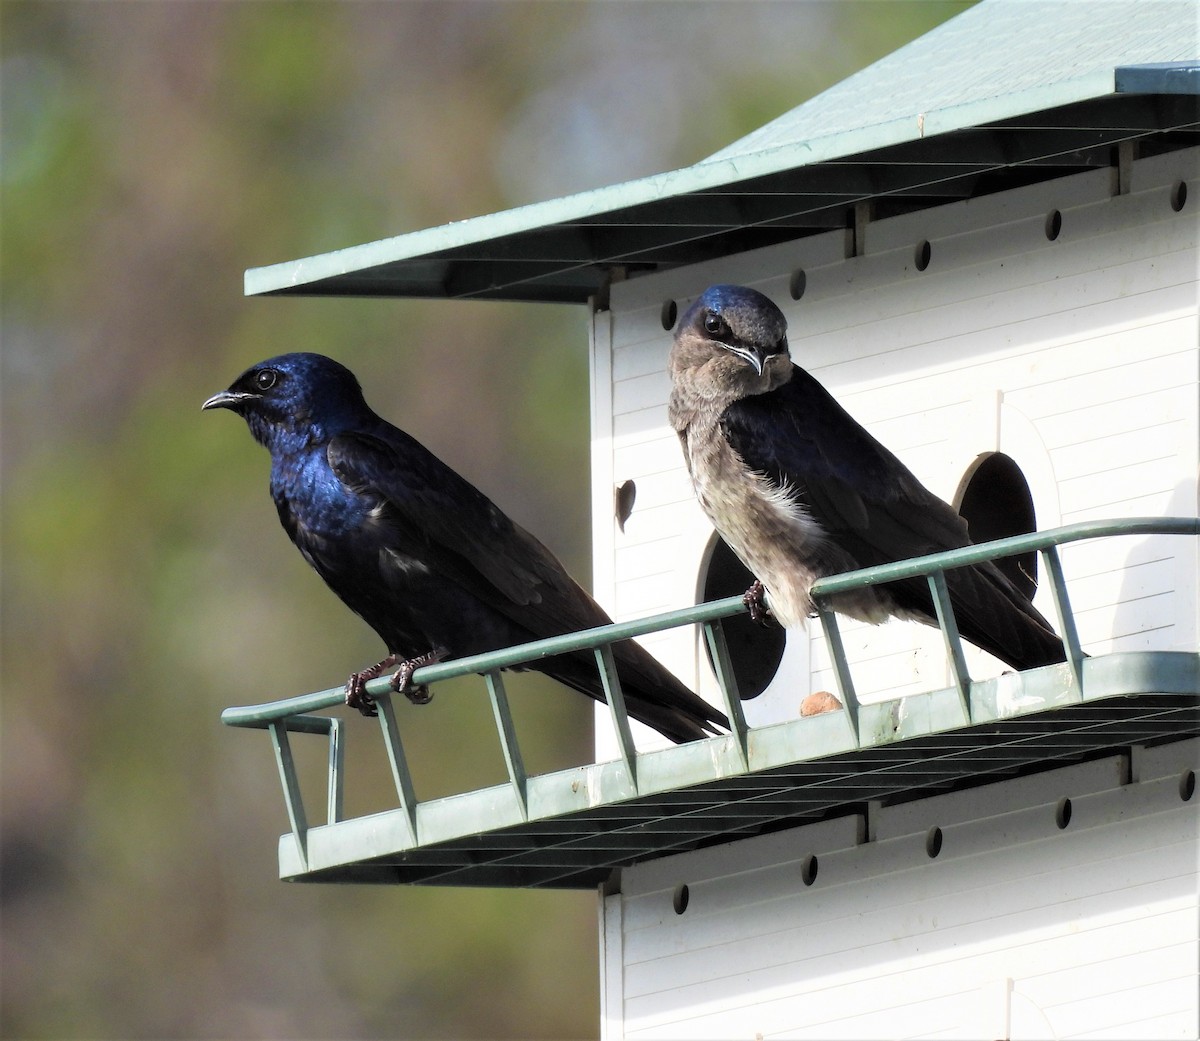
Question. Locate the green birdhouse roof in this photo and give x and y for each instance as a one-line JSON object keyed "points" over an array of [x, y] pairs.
{"points": [[1008, 93]]}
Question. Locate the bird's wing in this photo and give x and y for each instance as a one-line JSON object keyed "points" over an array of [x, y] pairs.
{"points": [[424, 511], [872, 507], [865, 499], [427, 511]]}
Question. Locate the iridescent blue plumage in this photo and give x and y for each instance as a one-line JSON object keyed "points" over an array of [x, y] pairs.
{"points": [[427, 560]]}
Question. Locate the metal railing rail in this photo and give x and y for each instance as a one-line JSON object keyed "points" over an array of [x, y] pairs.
{"points": [[295, 715]]}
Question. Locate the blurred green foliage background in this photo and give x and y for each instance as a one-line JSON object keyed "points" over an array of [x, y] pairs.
{"points": [[151, 151]]}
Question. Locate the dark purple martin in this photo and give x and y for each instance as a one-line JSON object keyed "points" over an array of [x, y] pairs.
{"points": [[799, 490], [428, 561]]}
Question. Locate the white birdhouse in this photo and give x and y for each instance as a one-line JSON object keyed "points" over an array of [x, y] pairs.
{"points": [[986, 246]]}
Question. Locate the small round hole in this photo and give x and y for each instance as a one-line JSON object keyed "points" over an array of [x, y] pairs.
{"points": [[808, 869], [933, 841], [1187, 785], [798, 283], [669, 313], [1062, 813], [1053, 224], [923, 255], [680, 900], [1178, 195]]}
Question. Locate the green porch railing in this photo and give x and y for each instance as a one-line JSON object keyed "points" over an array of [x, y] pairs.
{"points": [[296, 715]]}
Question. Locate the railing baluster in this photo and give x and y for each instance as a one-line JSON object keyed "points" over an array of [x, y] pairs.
{"points": [[291, 787], [841, 668], [508, 740], [616, 708], [337, 768], [398, 760], [718, 647], [954, 648], [1066, 617]]}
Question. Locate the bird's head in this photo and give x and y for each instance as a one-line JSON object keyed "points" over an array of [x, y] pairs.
{"points": [[294, 396], [730, 343]]}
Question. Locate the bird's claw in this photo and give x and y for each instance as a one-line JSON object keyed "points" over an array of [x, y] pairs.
{"points": [[401, 681], [357, 696], [755, 599], [356, 686]]}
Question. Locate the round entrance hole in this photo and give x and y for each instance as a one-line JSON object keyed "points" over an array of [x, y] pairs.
{"points": [[755, 651], [996, 503]]}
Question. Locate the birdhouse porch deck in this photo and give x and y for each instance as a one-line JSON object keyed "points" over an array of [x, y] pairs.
{"points": [[985, 248], [576, 827]]}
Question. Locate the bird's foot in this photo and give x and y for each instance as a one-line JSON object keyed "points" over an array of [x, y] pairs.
{"points": [[356, 686], [755, 599], [402, 678], [401, 681]]}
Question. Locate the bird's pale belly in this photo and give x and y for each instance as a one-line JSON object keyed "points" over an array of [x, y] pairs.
{"points": [[764, 526], [775, 536]]}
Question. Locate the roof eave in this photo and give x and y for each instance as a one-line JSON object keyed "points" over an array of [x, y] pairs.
{"points": [[558, 250]]}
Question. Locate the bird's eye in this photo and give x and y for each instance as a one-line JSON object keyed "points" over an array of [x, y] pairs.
{"points": [[714, 324], [266, 379]]}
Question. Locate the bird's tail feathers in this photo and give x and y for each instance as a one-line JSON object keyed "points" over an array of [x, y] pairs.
{"points": [[996, 616], [653, 695]]}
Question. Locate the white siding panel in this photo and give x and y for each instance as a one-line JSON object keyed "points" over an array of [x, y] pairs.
{"points": [[646, 424], [1135, 411], [645, 559], [1181, 1025], [602, 484], [648, 391], [644, 595], [640, 358], [952, 334], [647, 457], [656, 516], [892, 660], [1158, 439], [1079, 357], [942, 913], [1110, 486], [1116, 1013], [1140, 625], [1085, 932], [1099, 995], [1102, 370], [655, 487]]}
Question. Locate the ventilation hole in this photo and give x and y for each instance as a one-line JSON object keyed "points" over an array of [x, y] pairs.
{"points": [[808, 869], [1053, 224], [755, 651], [680, 899], [1187, 785], [933, 841], [669, 313], [1178, 195], [1062, 813], [799, 282], [923, 255]]}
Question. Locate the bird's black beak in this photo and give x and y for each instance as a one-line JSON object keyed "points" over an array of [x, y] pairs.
{"points": [[231, 399]]}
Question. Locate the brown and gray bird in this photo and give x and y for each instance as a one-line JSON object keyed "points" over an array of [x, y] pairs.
{"points": [[799, 490]]}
